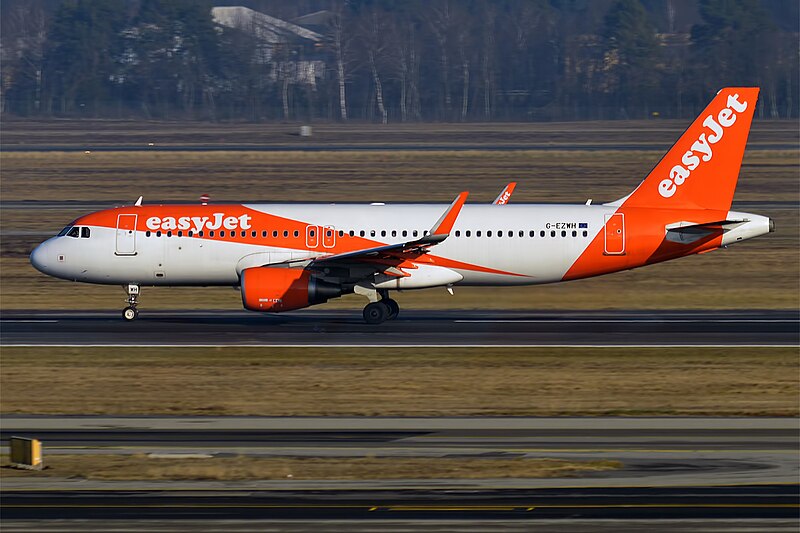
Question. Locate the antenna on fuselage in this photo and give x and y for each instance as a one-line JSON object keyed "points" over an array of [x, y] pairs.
{"points": [[204, 199], [139, 202]]}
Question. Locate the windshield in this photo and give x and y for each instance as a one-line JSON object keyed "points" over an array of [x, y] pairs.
{"points": [[64, 231]]}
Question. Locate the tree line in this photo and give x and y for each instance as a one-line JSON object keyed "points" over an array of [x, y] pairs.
{"points": [[397, 60]]}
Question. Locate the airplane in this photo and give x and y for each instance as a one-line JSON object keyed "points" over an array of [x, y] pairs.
{"points": [[284, 257]]}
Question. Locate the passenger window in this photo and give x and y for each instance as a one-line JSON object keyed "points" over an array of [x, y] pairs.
{"points": [[169, 234], [244, 234], [383, 233], [405, 233], [574, 233], [552, 233], [362, 233], [489, 233], [211, 233], [180, 233], [522, 233], [253, 234], [147, 233], [541, 233], [468, 233], [352, 233], [532, 233], [415, 233], [458, 233], [328, 233], [264, 234], [500, 233], [202, 233], [563, 233], [84, 233], [394, 233], [285, 233], [585, 233], [191, 233], [311, 233], [275, 233], [341, 233], [372, 233], [296, 233], [222, 233], [74, 232], [478, 233]]}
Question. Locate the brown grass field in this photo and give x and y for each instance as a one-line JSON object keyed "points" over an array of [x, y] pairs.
{"points": [[401, 381], [142, 467]]}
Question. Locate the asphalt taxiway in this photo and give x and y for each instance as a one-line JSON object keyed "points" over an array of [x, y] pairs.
{"points": [[674, 469], [411, 328]]}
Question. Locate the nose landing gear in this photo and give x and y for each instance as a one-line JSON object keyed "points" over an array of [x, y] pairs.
{"points": [[130, 313]]}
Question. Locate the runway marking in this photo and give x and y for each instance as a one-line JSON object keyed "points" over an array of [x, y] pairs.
{"points": [[623, 321], [323, 345], [34, 321]]}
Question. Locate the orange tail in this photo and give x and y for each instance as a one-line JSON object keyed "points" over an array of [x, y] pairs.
{"points": [[701, 169]]}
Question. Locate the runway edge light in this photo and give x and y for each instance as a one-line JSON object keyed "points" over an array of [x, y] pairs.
{"points": [[26, 453]]}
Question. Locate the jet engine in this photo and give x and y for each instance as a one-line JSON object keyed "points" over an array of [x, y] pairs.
{"points": [[273, 289]]}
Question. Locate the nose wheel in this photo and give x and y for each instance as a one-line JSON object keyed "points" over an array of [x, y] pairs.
{"points": [[130, 313]]}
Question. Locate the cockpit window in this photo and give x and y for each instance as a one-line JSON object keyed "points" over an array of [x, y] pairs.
{"points": [[74, 232], [64, 231], [84, 233]]}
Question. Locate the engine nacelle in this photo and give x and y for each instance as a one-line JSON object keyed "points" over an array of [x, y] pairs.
{"points": [[273, 290]]}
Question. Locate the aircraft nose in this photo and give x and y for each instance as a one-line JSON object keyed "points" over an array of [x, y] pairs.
{"points": [[40, 259]]}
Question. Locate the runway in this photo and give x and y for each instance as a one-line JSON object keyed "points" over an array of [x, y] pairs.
{"points": [[674, 469], [755, 328]]}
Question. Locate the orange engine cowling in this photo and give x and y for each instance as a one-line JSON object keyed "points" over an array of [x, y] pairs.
{"points": [[282, 289]]}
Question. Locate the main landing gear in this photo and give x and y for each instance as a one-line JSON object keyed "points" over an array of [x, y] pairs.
{"points": [[130, 313], [382, 310]]}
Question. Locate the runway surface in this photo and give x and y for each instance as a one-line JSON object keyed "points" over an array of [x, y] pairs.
{"points": [[674, 469], [411, 328], [332, 147]]}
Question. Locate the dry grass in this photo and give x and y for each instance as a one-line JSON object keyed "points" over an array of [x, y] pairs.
{"points": [[141, 467], [400, 381], [544, 176]]}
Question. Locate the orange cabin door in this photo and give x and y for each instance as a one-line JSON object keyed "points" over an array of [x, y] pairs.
{"points": [[615, 234], [312, 237], [329, 237]]}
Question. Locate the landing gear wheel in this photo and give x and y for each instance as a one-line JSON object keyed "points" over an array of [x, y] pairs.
{"points": [[376, 312], [394, 308], [130, 313]]}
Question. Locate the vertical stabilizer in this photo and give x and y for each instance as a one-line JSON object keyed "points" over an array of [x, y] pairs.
{"points": [[701, 169]]}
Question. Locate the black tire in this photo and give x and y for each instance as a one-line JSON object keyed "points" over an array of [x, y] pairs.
{"points": [[394, 307], [130, 314], [376, 313]]}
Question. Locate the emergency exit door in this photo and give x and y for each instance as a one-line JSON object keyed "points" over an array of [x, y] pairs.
{"points": [[615, 234], [126, 234]]}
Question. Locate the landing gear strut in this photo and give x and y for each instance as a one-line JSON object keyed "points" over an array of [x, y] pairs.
{"points": [[381, 311], [130, 313]]}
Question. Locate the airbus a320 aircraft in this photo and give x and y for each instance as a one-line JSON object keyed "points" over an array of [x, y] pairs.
{"points": [[290, 256]]}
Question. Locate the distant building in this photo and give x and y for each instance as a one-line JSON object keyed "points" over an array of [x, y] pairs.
{"points": [[295, 52]]}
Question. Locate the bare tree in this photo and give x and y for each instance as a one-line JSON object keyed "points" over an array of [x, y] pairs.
{"points": [[340, 38], [23, 40], [440, 23], [374, 30]]}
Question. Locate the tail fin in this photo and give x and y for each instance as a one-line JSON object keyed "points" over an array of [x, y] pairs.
{"points": [[701, 169]]}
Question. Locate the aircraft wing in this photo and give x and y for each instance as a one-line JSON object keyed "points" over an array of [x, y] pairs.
{"points": [[404, 250], [505, 194]]}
